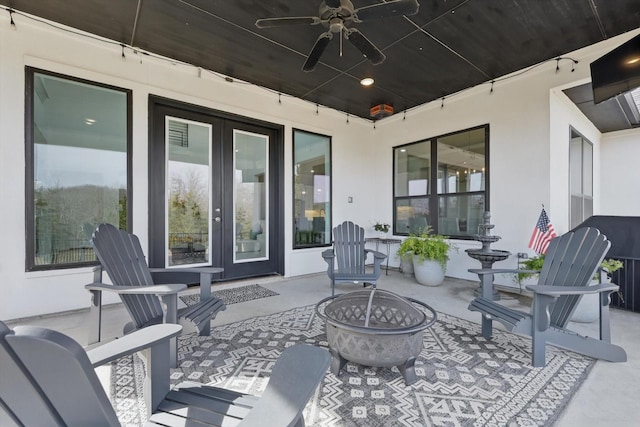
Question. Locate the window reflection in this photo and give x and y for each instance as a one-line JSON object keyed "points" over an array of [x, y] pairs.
{"points": [[79, 134], [412, 166], [312, 189], [250, 213], [188, 185]]}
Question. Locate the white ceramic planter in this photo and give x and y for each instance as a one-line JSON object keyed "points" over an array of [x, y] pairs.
{"points": [[428, 272], [406, 265]]}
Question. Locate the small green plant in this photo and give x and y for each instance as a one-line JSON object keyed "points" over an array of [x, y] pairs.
{"points": [[609, 266], [532, 264], [535, 263], [427, 246], [381, 227]]}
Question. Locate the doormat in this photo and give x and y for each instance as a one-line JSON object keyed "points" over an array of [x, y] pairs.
{"points": [[234, 295], [463, 379]]}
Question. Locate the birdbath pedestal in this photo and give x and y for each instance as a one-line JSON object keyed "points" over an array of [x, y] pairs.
{"points": [[486, 255]]}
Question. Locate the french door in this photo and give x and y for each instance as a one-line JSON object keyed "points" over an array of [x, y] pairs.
{"points": [[214, 184]]}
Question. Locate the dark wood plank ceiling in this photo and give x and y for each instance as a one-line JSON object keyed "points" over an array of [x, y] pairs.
{"points": [[448, 46]]}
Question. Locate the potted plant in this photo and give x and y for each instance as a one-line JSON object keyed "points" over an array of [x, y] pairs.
{"points": [[381, 228], [430, 253]]}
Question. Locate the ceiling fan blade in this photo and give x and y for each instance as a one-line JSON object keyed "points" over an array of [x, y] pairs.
{"points": [[317, 51], [333, 4], [367, 48], [293, 20], [386, 10]]}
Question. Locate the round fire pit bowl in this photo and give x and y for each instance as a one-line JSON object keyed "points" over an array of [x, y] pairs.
{"points": [[375, 328]]}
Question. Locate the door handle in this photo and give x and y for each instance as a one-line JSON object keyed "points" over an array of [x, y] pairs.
{"points": [[217, 219]]}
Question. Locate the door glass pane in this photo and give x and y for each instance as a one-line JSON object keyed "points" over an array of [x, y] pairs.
{"points": [[250, 213], [188, 235], [80, 167]]}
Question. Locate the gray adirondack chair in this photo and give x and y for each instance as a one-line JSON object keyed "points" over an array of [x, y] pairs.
{"points": [[346, 261], [49, 380], [570, 263], [121, 256]]}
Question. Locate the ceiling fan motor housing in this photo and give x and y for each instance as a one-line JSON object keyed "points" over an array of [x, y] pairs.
{"points": [[381, 110]]}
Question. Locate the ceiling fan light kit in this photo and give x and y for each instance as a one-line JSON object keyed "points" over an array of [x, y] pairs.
{"points": [[336, 16]]}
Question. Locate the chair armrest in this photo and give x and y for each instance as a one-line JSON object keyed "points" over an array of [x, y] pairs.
{"points": [[375, 254], [328, 254], [169, 289], [131, 343], [207, 270], [481, 271], [556, 291]]}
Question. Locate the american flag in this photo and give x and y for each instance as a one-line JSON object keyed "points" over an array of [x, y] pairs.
{"points": [[542, 234]]}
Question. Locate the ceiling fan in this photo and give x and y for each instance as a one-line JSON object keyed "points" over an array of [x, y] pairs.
{"points": [[337, 15]]}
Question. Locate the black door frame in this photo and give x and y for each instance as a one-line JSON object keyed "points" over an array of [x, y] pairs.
{"points": [[158, 106]]}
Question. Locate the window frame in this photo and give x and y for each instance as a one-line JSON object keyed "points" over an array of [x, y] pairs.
{"points": [[433, 195], [573, 133], [30, 73], [328, 212]]}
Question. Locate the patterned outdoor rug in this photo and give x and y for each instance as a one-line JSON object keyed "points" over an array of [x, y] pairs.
{"points": [[234, 295], [463, 379]]}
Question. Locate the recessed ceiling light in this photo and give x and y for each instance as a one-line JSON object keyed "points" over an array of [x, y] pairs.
{"points": [[368, 81]]}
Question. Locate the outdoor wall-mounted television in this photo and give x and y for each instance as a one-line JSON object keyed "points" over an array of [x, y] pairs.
{"points": [[616, 72]]}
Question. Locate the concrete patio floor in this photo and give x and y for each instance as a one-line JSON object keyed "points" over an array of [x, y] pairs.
{"points": [[608, 397]]}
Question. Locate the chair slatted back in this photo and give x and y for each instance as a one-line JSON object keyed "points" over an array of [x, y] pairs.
{"points": [[23, 402], [52, 380], [294, 379], [349, 248], [571, 260], [121, 256]]}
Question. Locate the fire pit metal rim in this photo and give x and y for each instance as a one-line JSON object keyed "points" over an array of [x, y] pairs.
{"points": [[380, 331]]}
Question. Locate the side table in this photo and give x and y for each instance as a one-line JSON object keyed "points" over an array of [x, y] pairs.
{"points": [[385, 241]]}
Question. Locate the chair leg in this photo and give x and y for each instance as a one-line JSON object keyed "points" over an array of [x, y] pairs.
{"points": [[487, 326], [538, 349]]}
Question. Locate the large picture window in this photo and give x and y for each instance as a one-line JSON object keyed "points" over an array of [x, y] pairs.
{"points": [[441, 183], [312, 189], [581, 179], [77, 145]]}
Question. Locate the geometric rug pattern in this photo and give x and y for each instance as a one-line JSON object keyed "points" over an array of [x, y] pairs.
{"points": [[234, 295], [463, 379]]}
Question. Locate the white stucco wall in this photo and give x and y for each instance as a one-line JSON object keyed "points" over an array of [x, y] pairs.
{"points": [[529, 148], [620, 173]]}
